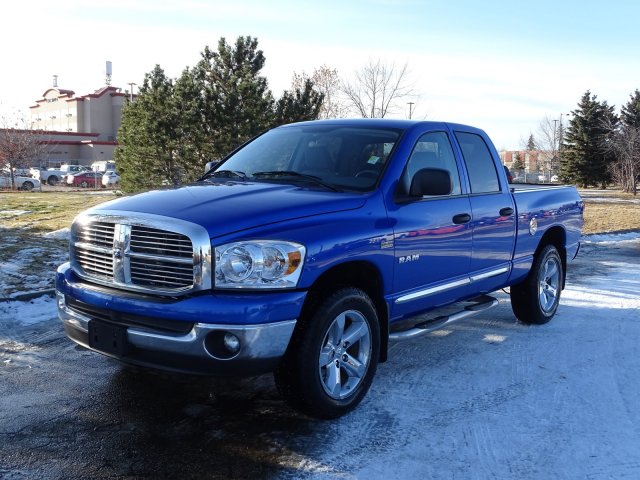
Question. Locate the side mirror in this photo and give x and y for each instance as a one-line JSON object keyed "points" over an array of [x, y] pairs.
{"points": [[209, 165], [430, 181]]}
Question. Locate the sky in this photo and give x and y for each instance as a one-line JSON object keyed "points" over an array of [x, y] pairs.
{"points": [[498, 65]]}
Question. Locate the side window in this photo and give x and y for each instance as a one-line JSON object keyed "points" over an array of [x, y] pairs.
{"points": [[480, 164], [433, 150]]}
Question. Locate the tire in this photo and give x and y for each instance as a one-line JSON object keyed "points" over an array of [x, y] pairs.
{"points": [[322, 376], [28, 186], [53, 180], [84, 184], [536, 299]]}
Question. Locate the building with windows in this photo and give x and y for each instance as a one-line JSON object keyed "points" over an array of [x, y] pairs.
{"points": [[77, 129], [533, 161]]}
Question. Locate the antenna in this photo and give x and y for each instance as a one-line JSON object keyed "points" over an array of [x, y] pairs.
{"points": [[55, 81], [109, 72]]}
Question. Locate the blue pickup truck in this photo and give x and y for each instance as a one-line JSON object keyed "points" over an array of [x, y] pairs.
{"points": [[310, 248]]}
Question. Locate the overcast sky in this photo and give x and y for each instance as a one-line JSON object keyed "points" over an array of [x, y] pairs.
{"points": [[498, 65]]}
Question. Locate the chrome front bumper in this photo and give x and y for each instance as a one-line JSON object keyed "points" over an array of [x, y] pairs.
{"points": [[261, 346]]}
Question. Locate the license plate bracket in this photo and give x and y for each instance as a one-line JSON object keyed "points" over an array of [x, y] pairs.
{"points": [[108, 338]]}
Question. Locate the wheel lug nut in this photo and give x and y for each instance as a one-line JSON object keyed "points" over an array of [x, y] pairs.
{"points": [[344, 357]]}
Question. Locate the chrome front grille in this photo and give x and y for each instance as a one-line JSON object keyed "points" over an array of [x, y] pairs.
{"points": [[159, 242], [141, 254], [96, 263], [98, 233]]}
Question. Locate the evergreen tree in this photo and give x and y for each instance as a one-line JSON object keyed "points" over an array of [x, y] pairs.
{"points": [[236, 102], [517, 165], [302, 104], [173, 128], [586, 156], [147, 140], [531, 143], [630, 113]]}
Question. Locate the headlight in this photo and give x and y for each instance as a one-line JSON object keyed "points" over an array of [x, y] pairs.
{"points": [[259, 264]]}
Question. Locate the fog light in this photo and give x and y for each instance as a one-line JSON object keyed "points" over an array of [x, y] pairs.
{"points": [[222, 345], [61, 301], [231, 342]]}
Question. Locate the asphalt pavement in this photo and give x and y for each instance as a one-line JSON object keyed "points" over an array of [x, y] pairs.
{"points": [[486, 398]]}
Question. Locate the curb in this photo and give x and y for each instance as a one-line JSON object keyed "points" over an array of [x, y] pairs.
{"points": [[24, 297]]}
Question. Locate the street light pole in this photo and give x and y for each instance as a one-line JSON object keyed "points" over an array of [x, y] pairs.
{"points": [[131, 85], [411, 104]]}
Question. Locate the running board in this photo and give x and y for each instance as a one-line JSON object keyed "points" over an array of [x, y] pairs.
{"points": [[479, 305]]}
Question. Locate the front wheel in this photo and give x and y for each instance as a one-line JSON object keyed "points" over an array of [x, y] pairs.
{"points": [[332, 357], [536, 299]]}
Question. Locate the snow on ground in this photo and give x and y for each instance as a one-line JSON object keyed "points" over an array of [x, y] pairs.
{"points": [[609, 238], [28, 262], [12, 213], [488, 397], [62, 234], [28, 312]]}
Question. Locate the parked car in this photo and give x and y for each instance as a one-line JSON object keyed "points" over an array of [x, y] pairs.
{"points": [[309, 249], [53, 176], [85, 179], [110, 178], [22, 182]]}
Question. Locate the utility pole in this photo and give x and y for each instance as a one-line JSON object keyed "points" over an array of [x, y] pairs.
{"points": [[411, 104]]}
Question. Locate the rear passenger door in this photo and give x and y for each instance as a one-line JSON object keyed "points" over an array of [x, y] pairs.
{"points": [[493, 211]]}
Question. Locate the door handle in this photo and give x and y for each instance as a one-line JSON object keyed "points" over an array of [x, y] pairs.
{"points": [[461, 218], [505, 212]]}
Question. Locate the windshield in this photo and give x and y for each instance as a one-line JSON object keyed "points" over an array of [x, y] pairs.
{"points": [[327, 156]]}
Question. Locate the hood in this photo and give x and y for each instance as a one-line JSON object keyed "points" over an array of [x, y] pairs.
{"points": [[231, 206]]}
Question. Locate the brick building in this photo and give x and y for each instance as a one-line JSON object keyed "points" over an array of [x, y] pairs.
{"points": [[77, 130], [534, 161]]}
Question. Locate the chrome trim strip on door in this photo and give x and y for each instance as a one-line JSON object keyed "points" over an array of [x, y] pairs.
{"points": [[448, 286], [492, 273], [432, 290]]}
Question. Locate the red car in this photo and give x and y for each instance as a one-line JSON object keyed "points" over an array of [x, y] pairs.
{"points": [[85, 180]]}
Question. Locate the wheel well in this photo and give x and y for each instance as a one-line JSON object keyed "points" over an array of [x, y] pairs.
{"points": [[358, 274], [555, 236]]}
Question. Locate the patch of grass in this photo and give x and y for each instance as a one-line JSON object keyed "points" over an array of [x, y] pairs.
{"points": [[48, 211], [610, 217]]}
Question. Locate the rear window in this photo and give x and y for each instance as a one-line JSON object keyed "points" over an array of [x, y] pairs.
{"points": [[480, 165]]}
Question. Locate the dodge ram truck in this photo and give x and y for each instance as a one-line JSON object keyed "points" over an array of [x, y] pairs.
{"points": [[308, 249]]}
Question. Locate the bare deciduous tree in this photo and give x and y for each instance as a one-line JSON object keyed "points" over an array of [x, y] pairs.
{"points": [[19, 145], [624, 141], [546, 142], [377, 89], [327, 82]]}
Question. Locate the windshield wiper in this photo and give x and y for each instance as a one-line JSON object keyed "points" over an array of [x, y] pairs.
{"points": [[226, 174], [291, 173]]}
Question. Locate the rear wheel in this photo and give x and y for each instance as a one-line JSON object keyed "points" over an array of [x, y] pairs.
{"points": [[28, 186], [333, 356], [536, 299], [84, 184], [52, 180]]}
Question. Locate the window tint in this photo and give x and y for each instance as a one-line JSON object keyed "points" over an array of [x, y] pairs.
{"points": [[480, 164], [433, 150]]}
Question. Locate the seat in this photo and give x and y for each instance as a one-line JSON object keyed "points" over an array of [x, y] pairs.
{"points": [[317, 159]]}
